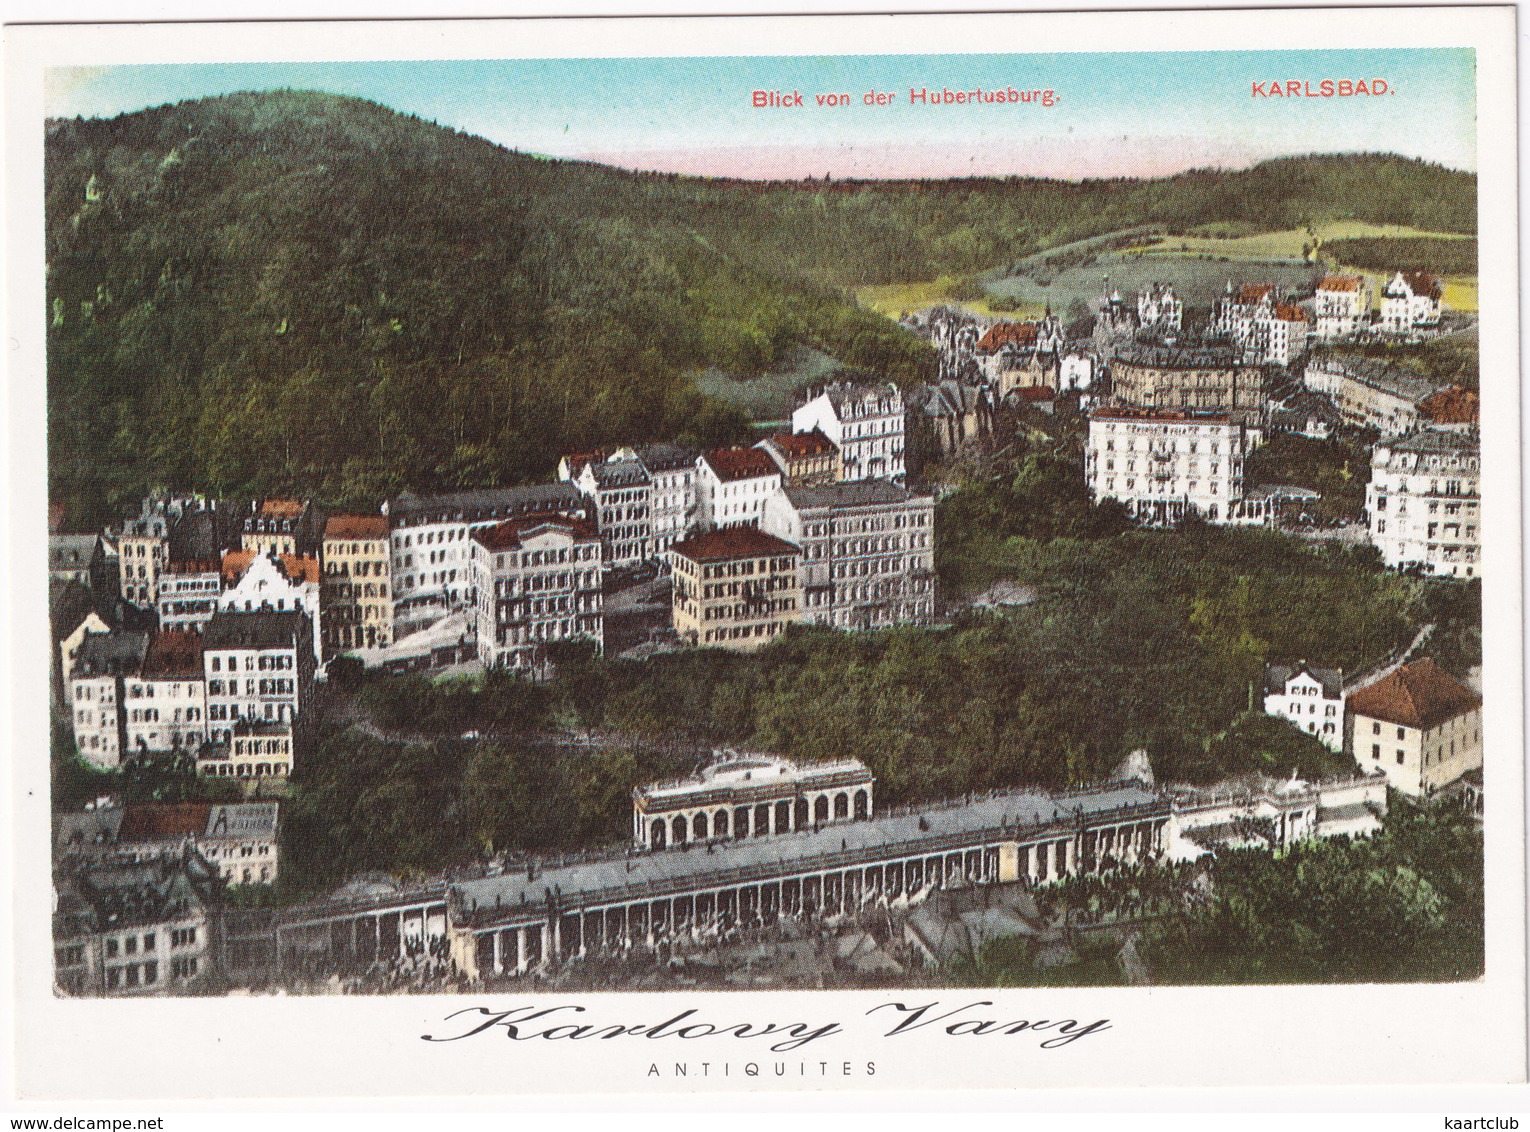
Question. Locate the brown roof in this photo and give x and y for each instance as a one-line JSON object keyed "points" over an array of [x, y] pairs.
{"points": [[173, 653], [1251, 293], [162, 821], [1038, 393], [297, 567], [192, 566], [508, 535], [1341, 283], [1453, 405], [1421, 694], [732, 542], [577, 460], [1422, 283], [235, 563], [356, 526], [1002, 334], [1287, 313], [740, 463], [800, 445], [282, 508]]}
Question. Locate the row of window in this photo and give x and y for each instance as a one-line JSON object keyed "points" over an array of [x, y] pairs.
{"points": [[275, 686], [743, 632], [267, 662]]}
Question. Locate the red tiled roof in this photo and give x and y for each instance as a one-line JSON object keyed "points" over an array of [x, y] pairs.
{"points": [[235, 563], [1287, 313], [508, 535], [1251, 293], [740, 463], [1421, 694], [282, 508], [732, 542], [1038, 393], [577, 460], [1422, 283], [1341, 283], [192, 566], [801, 445], [356, 526], [298, 568], [1002, 334], [173, 653], [162, 821], [1451, 406]]}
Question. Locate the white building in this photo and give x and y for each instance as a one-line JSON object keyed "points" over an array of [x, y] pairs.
{"points": [[1342, 305], [866, 424], [535, 581], [1410, 303], [1159, 310], [1419, 725], [165, 704], [69, 647], [621, 492], [732, 485], [1269, 814], [1371, 394], [741, 795], [103, 663], [868, 552], [258, 667], [429, 541], [1258, 323], [1164, 464], [1311, 698], [672, 471], [143, 548], [188, 593], [240, 841], [1424, 502], [262, 582]]}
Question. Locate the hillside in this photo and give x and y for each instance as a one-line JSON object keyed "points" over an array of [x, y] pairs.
{"points": [[292, 290]]}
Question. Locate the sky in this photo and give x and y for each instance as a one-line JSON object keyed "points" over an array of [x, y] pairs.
{"points": [[1138, 114]]}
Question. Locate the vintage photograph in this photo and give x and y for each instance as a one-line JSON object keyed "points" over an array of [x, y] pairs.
{"points": [[715, 523]]}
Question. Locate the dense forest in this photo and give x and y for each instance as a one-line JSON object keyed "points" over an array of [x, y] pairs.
{"points": [[1415, 253], [298, 291]]}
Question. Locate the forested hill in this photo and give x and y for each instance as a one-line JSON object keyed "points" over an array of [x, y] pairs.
{"points": [[290, 290]]}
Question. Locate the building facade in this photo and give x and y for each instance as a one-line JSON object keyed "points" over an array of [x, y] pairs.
{"points": [[1370, 394], [1160, 312], [672, 471], [805, 458], [356, 591], [1342, 305], [1419, 725], [535, 581], [739, 795], [165, 704], [241, 842], [734, 588], [259, 668], [188, 593], [280, 526], [1164, 465], [1311, 698], [1424, 502], [867, 556], [865, 422], [428, 537], [1201, 379], [103, 663], [620, 491], [1410, 303], [265, 582], [143, 548], [732, 485]]}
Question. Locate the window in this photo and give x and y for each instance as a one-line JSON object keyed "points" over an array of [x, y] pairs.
{"points": [[1399, 756], [1375, 750]]}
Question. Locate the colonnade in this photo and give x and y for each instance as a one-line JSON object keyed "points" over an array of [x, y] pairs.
{"points": [[806, 810]]}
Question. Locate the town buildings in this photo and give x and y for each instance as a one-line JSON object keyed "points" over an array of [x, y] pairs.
{"points": [[1410, 303], [1370, 394], [1257, 322], [621, 492], [949, 418], [262, 580], [535, 581], [143, 547], [251, 751], [429, 541], [805, 458], [732, 485], [164, 703], [103, 662], [865, 422], [1160, 312], [1342, 305], [241, 842], [672, 472], [76, 558], [1166, 464], [259, 668], [735, 588], [1419, 725], [123, 929], [1203, 379], [867, 552], [739, 795], [1311, 698], [1423, 502], [281, 526], [355, 593], [188, 593]]}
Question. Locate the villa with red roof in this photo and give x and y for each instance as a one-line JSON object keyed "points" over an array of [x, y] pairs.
{"points": [[534, 581], [1419, 725], [1410, 303], [1342, 305], [732, 485]]}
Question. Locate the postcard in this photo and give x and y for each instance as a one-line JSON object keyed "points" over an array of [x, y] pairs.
{"points": [[760, 554]]}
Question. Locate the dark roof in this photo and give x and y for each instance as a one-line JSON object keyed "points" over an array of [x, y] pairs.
{"points": [[229, 629], [110, 654], [666, 457], [1421, 694], [1124, 413], [1180, 357], [242, 819], [740, 463], [487, 503], [172, 653], [72, 552], [621, 473], [1276, 677], [801, 445], [193, 566], [855, 493], [512, 532], [162, 821], [356, 526], [1439, 442], [732, 542], [1379, 375]]}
